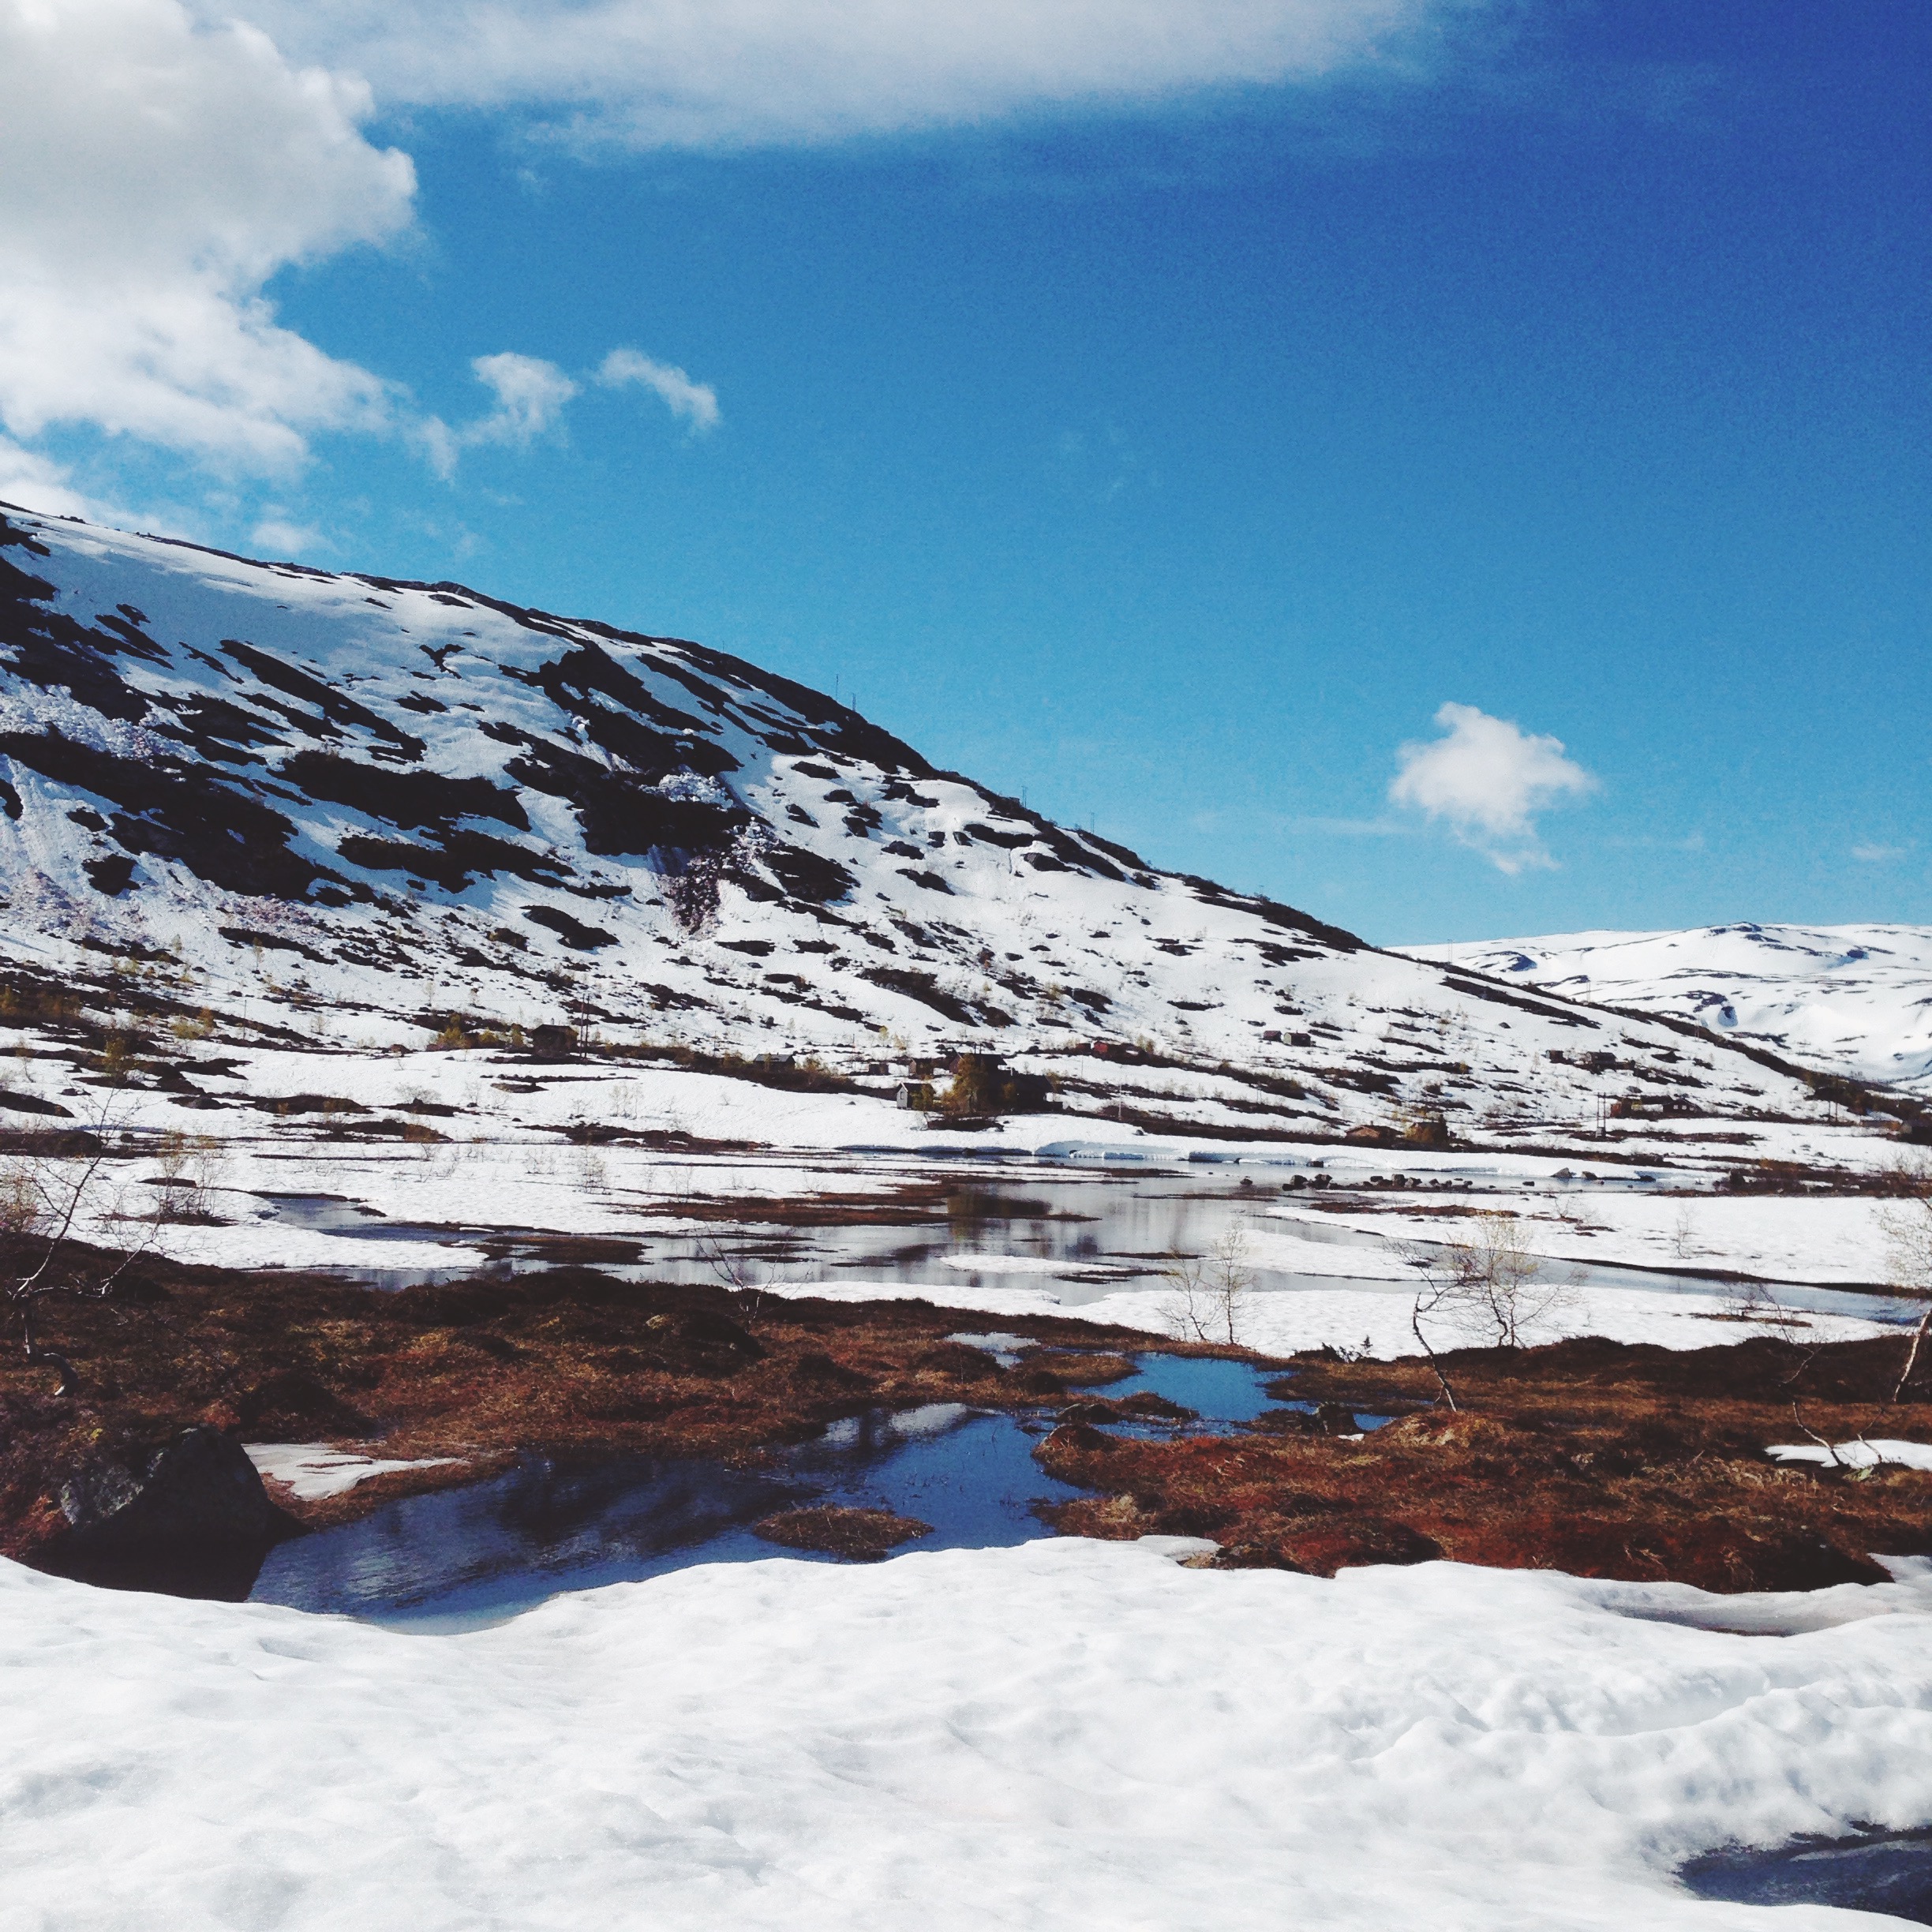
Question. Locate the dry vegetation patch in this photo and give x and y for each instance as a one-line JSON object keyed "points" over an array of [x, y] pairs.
{"points": [[1594, 1457], [859, 1535], [560, 1360]]}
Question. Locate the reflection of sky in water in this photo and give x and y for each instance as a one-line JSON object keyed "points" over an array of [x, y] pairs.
{"points": [[1080, 1236], [488, 1550]]}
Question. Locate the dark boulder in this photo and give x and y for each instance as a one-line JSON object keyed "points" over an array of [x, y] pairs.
{"points": [[190, 1518]]}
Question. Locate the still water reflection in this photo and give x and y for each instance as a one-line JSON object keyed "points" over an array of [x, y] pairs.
{"points": [[465, 1556]]}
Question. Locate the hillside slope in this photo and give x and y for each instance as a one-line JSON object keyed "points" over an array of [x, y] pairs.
{"points": [[317, 792], [1851, 999]]}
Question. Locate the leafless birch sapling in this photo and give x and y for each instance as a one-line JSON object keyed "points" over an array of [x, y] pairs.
{"points": [[1209, 1293], [1907, 1225], [46, 1198], [1490, 1291]]}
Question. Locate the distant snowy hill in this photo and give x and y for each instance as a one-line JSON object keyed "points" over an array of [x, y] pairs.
{"points": [[323, 793], [1855, 999]]}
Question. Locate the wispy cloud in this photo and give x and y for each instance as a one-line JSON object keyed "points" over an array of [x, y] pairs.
{"points": [[694, 402], [279, 536], [167, 159], [737, 72], [530, 395], [37, 482], [533, 394], [1878, 855], [1487, 779]]}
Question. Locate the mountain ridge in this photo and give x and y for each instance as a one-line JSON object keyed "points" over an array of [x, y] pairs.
{"points": [[1854, 999], [414, 799]]}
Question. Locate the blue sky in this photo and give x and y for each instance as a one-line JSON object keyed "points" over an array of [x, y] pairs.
{"points": [[1171, 449]]}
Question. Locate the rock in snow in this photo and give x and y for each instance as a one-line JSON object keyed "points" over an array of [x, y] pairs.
{"points": [[192, 1514], [1066, 1735], [200, 1491]]}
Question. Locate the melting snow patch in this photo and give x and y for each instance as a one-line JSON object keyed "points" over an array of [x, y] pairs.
{"points": [[1005, 1350], [313, 1471], [1860, 1454]]}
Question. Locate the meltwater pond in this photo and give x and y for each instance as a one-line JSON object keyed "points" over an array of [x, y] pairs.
{"points": [[461, 1557], [1888, 1872], [1081, 1236]]}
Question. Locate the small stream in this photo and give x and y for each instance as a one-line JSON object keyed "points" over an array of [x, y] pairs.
{"points": [[456, 1558]]}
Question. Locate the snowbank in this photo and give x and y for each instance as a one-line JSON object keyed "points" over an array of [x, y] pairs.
{"points": [[1064, 1735], [1373, 1317], [1860, 1454]]}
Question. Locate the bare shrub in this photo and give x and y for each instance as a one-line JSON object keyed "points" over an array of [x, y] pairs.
{"points": [[1907, 1220], [45, 1197], [1208, 1294], [1490, 1291], [188, 1168], [1753, 1301], [1684, 1237]]}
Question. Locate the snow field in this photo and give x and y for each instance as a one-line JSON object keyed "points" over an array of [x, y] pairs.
{"points": [[1373, 1317], [1853, 999], [1067, 1734], [1351, 1274], [1817, 1239], [1860, 1454]]}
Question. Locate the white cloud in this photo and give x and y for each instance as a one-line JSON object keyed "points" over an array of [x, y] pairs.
{"points": [[694, 402], [1878, 855], [733, 72], [277, 536], [1486, 779], [157, 174], [530, 396], [163, 161], [36, 482]]}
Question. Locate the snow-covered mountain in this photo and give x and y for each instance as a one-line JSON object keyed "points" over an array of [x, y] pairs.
{"points": [[315, 791], [1852, 999]]}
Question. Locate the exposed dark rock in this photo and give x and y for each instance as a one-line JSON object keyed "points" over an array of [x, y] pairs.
{"points": [[423, 799], [326, 699], [220, 831], [32, 1103], [457, 857], [109, 873], [574, 933], [809, 875], [196, 1501]]}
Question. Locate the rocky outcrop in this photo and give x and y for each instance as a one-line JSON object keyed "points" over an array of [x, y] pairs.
{"points": [[191, 1517]]}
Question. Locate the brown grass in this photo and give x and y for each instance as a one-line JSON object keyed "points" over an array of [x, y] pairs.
{"points": [[1592, 1457], [561, 1360], [861, 1535]]}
